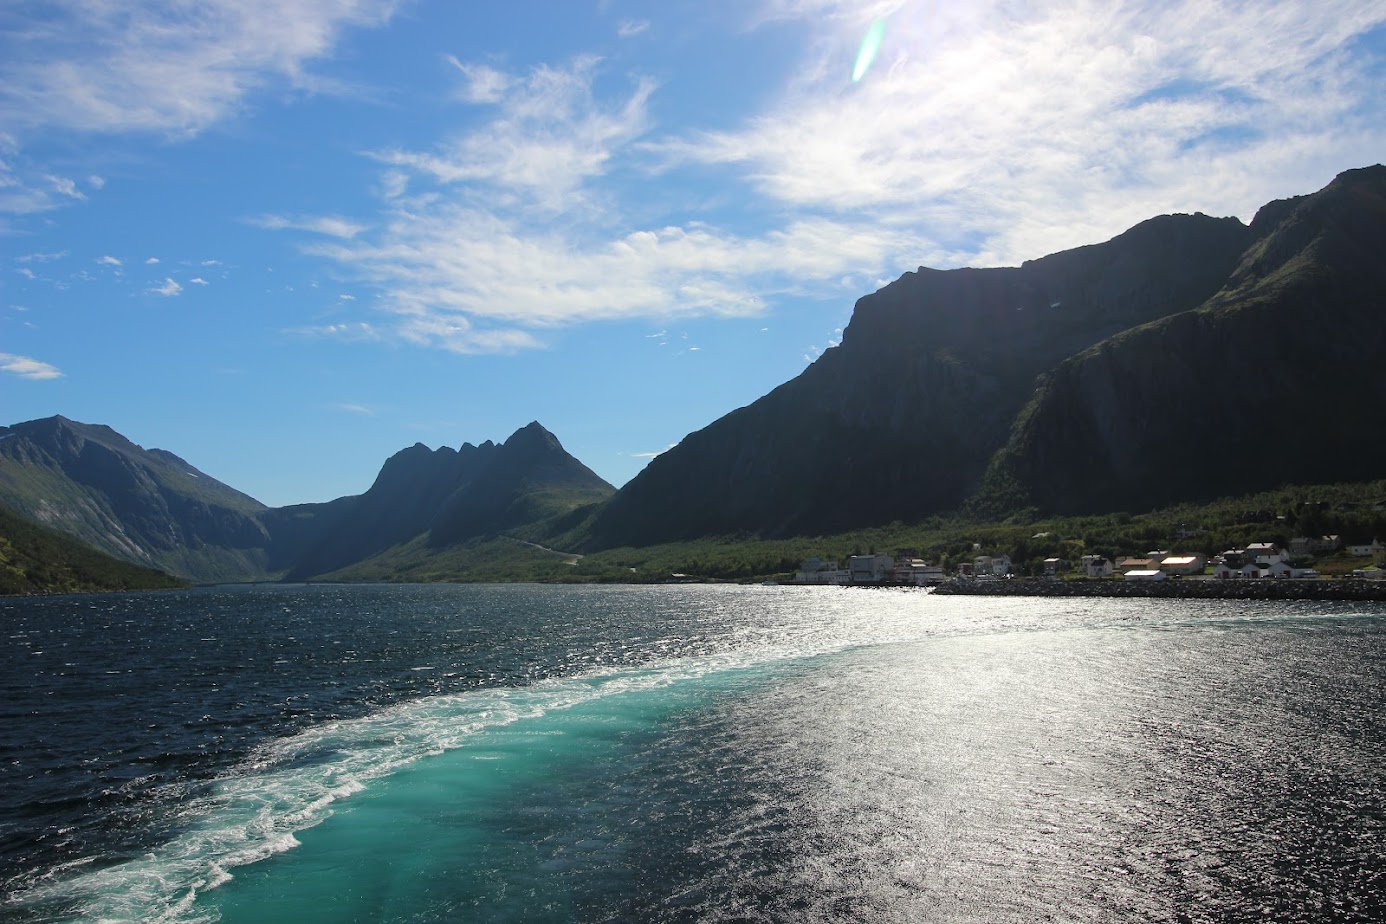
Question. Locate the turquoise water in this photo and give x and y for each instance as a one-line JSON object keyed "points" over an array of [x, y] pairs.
{"points": [[706, 754]]}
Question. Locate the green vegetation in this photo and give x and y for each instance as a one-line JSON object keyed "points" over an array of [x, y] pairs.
{"points": [[37, 560], [1357, 512]]}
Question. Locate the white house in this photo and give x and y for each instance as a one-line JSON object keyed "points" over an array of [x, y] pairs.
{"points": [[1145, 575], [1285, 571], [1265, 553], [817, 571], [1250, 569], [870, 569], [1371, 548], [998, 565], [1097, 566]]}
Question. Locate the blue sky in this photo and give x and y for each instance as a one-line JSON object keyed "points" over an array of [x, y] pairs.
{"points": [[287, 238]]}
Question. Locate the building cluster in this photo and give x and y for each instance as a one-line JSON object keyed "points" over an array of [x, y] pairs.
{"points": [[1259, 560], [901, 569]]}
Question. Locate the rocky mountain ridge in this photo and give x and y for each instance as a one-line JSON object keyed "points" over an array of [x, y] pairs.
{"points": [[152, 508]]}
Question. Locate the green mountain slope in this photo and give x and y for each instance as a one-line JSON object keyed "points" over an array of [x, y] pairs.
{"points": [[144, 506], [38, 560]]}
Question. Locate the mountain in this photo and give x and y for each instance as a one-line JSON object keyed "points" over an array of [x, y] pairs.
{"points": [[38, 560], [1276, 379], [901, 420], [152, 508], [144, 506], [530, 477], [450, 495]]}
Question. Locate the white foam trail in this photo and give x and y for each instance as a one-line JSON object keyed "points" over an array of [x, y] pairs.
{"points": [[292, 784]]}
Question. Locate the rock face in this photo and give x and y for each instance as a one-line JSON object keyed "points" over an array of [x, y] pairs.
{"points": [[901, 420], [1276, 379], [144, 506]]}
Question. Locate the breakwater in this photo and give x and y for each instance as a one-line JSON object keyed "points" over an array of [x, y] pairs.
{"points": [[1332, 589]]}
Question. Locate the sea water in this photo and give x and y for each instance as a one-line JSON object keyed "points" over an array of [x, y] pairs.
{"points": [[688, 753]]}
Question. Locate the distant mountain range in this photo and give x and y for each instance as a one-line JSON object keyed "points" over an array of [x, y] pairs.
{"points": [[152, 508], [1190, 357]]}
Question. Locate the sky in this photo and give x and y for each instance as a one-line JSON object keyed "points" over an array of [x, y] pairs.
{"points": [[285, 239]]}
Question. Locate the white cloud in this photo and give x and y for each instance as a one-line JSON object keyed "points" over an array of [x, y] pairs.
{"points": [[551, 135], [354, 331], [484, 84], [330, 225], [362, 409], [169, 289], [27, 368], [198, 281], [984, 134], [630, 28], [651, 455], [1010, 130], [109, 261], [163, 66], [65, 187], [151, 261], [42, 257]]}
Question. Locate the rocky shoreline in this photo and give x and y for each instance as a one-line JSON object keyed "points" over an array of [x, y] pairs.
{"points": [[1333, 589]]}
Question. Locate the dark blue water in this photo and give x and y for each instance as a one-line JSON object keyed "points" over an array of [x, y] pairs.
{"points": [[516, 753]]}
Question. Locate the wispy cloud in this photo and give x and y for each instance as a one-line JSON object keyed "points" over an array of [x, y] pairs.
{"points": [[27, 368], [984, 134], [109, 261], [1029, 127], [514, 229], [551, 135], [330, 225], [362, 409], [162, 66], [651, 455], [169, 289], [349, 331], [629, 28]]}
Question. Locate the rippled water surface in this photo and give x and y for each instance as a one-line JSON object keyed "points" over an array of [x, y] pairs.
{"points": [[520, 753]]}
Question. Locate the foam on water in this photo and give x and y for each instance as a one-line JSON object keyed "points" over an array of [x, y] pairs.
{"points": [[290, 785]]}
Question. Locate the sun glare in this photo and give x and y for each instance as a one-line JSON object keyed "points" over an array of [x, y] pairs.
{"points": [[869, 46]]}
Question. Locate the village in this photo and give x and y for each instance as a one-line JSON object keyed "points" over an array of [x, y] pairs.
{"points": [[1258, 561]]}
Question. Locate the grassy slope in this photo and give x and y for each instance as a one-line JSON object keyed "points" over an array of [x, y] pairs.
{"points": [[34, 559], [1349, 510]]}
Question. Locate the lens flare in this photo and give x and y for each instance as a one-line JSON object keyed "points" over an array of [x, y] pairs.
{"points": [[869, 46]]}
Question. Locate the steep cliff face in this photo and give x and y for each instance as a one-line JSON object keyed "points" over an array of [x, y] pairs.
{"points": [[901, 419], [144, 506], [1276, 380]]}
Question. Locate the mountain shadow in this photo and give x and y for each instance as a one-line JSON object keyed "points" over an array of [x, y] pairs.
{"points": [[1276, 380], [901, 420]]}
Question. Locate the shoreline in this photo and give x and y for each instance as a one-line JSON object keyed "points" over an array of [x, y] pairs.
{"points": [[1332, 589]]}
